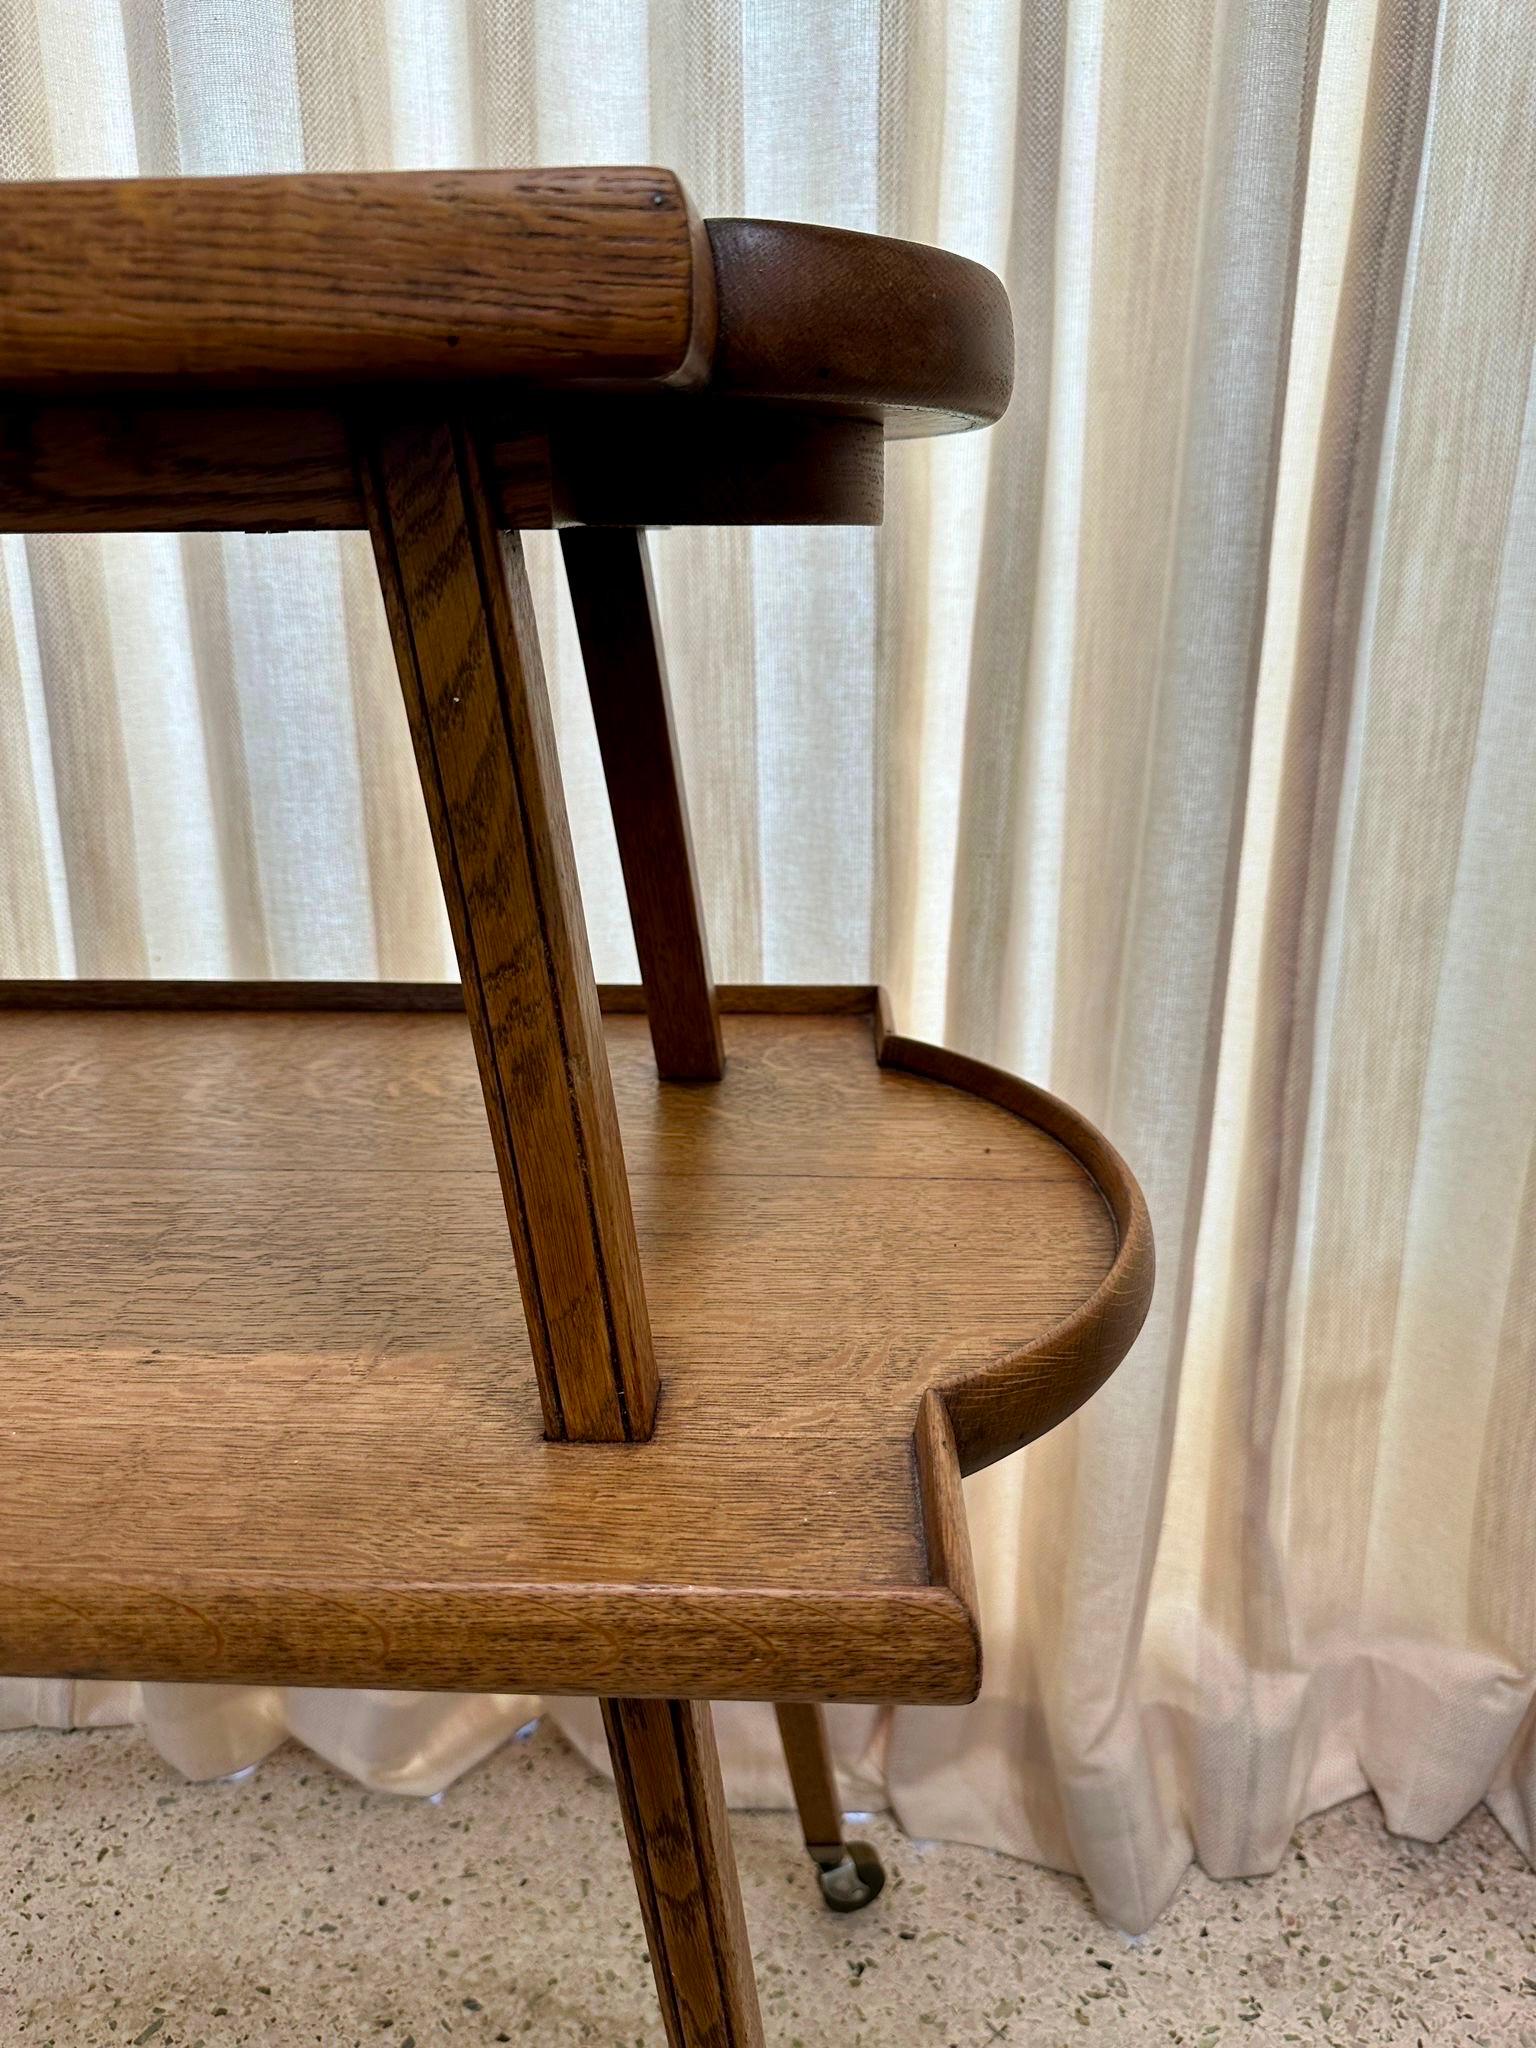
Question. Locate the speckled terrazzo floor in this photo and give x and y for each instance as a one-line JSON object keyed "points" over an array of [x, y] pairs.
{"points": [[294, 1908]]}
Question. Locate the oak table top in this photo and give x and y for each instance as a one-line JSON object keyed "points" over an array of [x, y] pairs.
{"points": [[268, 1377]]}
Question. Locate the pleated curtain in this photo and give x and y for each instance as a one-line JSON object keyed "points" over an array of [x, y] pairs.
{"points": [[1173, 744]]}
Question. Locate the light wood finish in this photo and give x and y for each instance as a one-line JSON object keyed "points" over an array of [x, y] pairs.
{"points": [[467, 649], [615, 607], [552, 274], [667, 1771], [1009, 1403], [269, 1415], [939, 1471], [802, 1729]]}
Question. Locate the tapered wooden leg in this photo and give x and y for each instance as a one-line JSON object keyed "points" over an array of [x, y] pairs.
{"points": [[851, 1872], [804, 1734], [668, 1774], [615, 607], [467, 650]]}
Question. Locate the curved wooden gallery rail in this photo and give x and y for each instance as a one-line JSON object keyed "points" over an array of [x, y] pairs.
{"points": [[1009, 1403]]}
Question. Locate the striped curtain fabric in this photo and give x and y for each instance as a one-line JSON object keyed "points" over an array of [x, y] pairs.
{"points": [[1173, 744]]}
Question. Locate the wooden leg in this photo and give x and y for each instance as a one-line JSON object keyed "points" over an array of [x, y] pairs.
{"points": [[804, 1733], [851, 1872], [465, 642], [615, 608], [668, 1774]]}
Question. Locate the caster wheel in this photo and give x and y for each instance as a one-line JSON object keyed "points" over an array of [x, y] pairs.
{"points": [[855, 1881]]}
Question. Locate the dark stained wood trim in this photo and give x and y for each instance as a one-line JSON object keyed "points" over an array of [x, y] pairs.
{"points": [[615, 608], [165, 466], [667, 1771], [466, 645], [689, 459], [776, 999], [382, 996], [1008, 1404], [269, 464], [825, 316], [794, 999]]}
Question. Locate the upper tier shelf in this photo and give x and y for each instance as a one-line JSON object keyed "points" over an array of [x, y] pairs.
{"points": [[182, 354], [269, 1405], [544, 280]]}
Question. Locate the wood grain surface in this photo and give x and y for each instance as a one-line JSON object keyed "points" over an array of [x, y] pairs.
{"points": [[667, 1771], [803, 1731], [615, 607], [466, 645], [551, 279], [690, 459], [553, 274], [270, 1413], [1015, 1399], [943, 1504]]}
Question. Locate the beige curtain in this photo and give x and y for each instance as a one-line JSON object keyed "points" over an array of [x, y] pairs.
{"points": [[1173, 744]]}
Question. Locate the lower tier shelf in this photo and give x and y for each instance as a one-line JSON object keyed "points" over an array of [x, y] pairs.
{"points": [[267, 1411]]}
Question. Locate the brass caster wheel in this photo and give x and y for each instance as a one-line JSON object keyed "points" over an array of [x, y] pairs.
{"points": [[857, 1878]]}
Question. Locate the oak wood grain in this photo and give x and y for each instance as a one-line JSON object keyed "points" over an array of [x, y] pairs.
{"points": [[1016, 1399], [553, 279], [250, 281], [615, 606], [945, 1532], [667, 1770], [803, 1731], [466, 645], [237, 1446], [170, 993]]}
